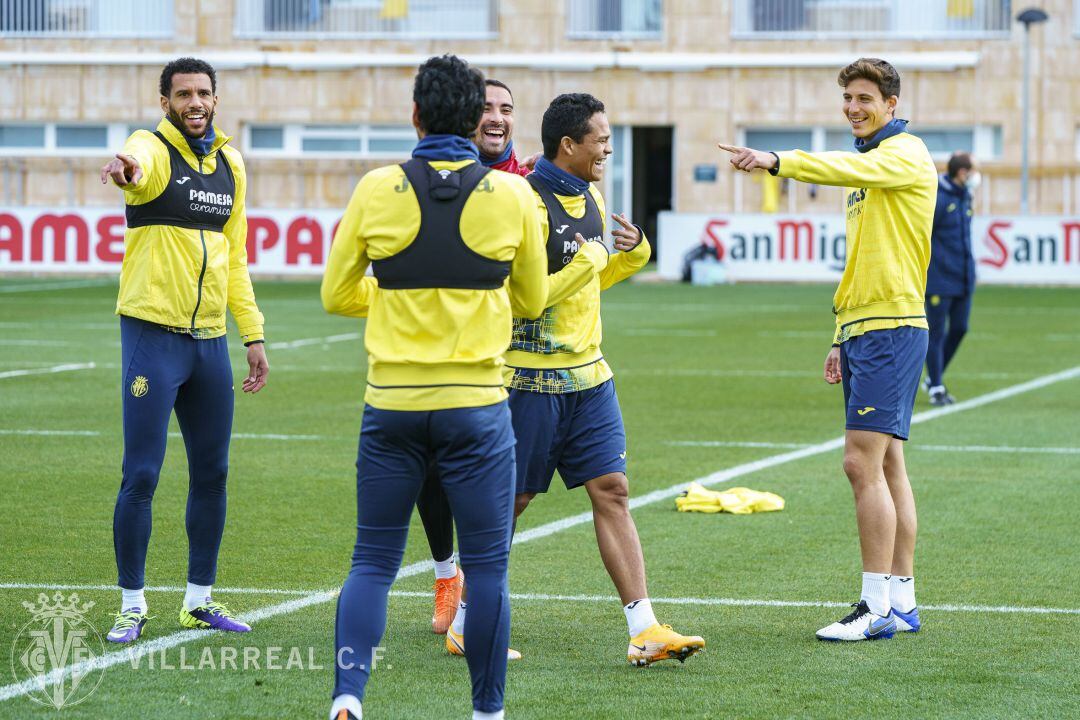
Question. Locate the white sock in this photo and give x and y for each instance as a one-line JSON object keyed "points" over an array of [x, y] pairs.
{"points": [[196, 595], [458, 626], [445, 569], [902, 593], [936, 389], [875, 592], [639, 616], [346, 702], [133, 599], [497, 715]]}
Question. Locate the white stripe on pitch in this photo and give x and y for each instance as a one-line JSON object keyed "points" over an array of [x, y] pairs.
{"points": [[116, 657], [675, 443], [235, 436], [910, 447], [543, 597], [46, 370], [62, 433], [151, 588], [756, 373], [750, 602]]}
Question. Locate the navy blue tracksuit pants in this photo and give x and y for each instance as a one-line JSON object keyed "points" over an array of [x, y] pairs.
{"points": [[164, 371], [473, 452], [948, 321]]}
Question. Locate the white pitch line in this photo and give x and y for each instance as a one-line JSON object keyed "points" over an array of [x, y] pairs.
{"points": [[543, 597], [116, 657], [235, 436], [738, 372], [1000, 449], [304, 342], [750, 602], [674, 443], [911, 446], [61, 433], [46, 370], [150, 588]]}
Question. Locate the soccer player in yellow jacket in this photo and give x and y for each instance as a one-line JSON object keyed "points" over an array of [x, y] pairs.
{"points": [[562, 396], [880, 339], [456, 250], [185, 262]]}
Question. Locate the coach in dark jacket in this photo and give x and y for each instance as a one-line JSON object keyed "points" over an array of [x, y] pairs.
{"points": [[950, 279]]}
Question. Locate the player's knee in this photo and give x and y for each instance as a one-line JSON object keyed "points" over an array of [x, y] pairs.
{"points": [[521, 501], [139, 484], [610, 492], [210, 478], [857, 469]]}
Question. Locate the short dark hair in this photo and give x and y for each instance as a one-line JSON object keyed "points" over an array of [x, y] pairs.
{"points": [[959, 161], [491, 82], [449, 96], [186, 66], [567, 116], [877, 71]]}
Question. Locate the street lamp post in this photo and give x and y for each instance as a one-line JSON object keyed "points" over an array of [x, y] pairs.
{"points": [[1029, 17]]}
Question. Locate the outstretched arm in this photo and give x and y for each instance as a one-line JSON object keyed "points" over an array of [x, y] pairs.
{"points": [[885, 167]]}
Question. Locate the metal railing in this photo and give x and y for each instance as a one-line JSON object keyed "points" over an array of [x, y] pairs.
{"points": [[367, 18], [589, 19], [781, 19], [86, 18]]}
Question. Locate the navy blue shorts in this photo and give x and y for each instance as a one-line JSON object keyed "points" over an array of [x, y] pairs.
{"points": [[580, 434], [881, 371]]}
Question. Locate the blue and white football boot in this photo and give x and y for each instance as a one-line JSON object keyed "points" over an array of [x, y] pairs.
{"points": [[907, 621], [861, 624]]}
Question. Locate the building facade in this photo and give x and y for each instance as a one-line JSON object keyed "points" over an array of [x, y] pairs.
{"points": [[316, 92]]}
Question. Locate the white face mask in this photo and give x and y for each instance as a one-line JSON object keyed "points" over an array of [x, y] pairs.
{"points": [[974, 180]]}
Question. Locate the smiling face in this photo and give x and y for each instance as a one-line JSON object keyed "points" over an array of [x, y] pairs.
{"points": [[865, 108], [587, 159], [191, 103], [497, 124]]}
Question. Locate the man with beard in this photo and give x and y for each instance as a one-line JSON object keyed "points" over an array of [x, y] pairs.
{"points": [[185, 262], [495, 137]]}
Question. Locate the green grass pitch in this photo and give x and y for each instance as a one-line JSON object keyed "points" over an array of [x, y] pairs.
{"points": [[709, 379]]}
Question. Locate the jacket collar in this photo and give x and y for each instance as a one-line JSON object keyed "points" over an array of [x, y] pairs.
{"points": [[950, 187], [178, 141]]}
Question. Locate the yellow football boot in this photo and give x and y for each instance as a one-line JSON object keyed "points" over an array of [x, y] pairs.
{"points": [[660, 642], [455, 645]]}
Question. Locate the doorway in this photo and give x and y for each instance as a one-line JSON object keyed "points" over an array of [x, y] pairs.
{"points": [[640, 182]]}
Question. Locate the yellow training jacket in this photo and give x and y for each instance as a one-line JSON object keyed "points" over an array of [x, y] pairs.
{"points": [[182, 278], [436, 348], [564, 342], [891, 192]]}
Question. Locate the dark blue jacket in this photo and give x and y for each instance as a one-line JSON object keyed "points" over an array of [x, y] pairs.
{"points": [[952, 264]]}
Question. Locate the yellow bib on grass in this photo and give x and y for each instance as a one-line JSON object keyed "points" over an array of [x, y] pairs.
{"points": [[740, 500]]}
